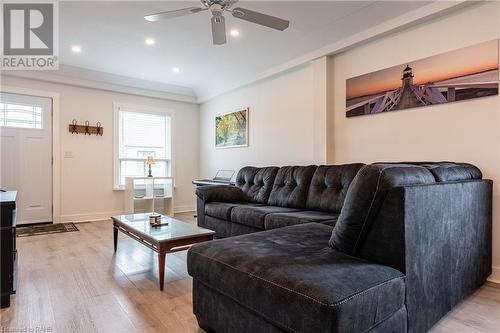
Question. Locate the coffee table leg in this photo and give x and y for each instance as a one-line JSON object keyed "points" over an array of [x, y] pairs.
{"points": [[161, 268], [115, 236]]}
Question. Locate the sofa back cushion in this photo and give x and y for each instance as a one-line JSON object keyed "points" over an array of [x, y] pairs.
{"points": [[329, 186], [291, 186], [365, 196], [447, 171], [450, 172], [256, 183]]}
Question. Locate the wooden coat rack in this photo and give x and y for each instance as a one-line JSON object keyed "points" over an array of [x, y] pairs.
{"points": [[74, 128]]}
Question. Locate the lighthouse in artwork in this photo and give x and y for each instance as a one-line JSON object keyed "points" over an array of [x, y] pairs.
{"points": [[409, 92], [407, 76]]}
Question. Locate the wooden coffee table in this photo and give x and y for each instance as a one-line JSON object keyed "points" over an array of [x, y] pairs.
{"points": [[176, 236]]}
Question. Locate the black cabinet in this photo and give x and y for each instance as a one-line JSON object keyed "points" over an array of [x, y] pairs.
{"points": [[7, 246]]}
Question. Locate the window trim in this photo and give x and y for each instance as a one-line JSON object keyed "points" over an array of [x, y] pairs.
{"points": [[137, 108]]}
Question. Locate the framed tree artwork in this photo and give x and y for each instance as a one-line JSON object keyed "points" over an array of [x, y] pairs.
{"points": [[231, 129]]}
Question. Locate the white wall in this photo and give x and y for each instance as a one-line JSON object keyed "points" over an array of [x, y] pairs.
{"points": [[291, 116], [87, 178], [282, 127], [467, 131]]}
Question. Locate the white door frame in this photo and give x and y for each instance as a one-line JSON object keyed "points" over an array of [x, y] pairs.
{"points": [[56, 144]]}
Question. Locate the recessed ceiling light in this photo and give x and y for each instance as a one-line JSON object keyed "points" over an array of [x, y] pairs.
{"points": [[150, 41], [76, 49], [176, 69], [235, 32]]}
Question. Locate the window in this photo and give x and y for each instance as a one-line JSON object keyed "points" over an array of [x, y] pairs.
{"points": [[21, 115], [142, 133]]}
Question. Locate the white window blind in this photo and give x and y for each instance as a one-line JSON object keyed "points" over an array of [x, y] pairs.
{"points": [[143, 134]]}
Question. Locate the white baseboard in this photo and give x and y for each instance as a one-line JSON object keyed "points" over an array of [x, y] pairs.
{"points": [[99, 216], [184, 209], [89, 216], [495, 276]]}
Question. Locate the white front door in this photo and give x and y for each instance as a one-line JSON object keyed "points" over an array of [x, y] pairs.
{"points": [[26, 154]]}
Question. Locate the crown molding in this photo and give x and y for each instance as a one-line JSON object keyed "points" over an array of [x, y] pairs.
{"points": [[404, 21], [86, 78]]}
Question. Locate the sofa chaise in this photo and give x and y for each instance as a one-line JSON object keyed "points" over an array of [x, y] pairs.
{"points": [[386, 247]]}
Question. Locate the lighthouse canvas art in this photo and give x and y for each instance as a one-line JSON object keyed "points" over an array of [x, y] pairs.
{"points": [[463, 74]]}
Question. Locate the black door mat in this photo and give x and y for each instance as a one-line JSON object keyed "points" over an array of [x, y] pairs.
{"points": [[44, 229]]}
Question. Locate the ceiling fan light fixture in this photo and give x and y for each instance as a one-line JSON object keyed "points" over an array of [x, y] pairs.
{"points": [[217, 8], [238, 13]]}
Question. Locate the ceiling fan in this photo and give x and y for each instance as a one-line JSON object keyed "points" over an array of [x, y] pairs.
{"points": [[217, 8]]}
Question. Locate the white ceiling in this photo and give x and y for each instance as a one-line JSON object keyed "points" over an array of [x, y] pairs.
{"points": [[112, 35]]}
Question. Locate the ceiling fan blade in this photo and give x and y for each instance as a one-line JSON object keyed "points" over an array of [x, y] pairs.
{"points": [[259, 18], [173, 13], [219, 30]]}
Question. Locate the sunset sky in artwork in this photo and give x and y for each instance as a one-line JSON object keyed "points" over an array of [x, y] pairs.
{"points": [[473, 59]]}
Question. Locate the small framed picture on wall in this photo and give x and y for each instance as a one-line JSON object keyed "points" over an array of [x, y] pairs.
{"points": [[231, 129]]}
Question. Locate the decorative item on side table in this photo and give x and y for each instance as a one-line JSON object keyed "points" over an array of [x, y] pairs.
{"points": [[150, 161]]}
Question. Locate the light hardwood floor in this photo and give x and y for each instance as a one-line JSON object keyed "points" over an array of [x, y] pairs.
{"points": [[73, 282]]}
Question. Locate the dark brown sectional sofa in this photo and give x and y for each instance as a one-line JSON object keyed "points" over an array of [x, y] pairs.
{"points": [[380, 248]]}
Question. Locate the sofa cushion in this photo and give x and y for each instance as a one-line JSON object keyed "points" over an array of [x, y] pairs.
{"points": [[256, 183], [222, 210], [448, 171], [293, 279], [255, 216], [225, 228], [329, 186], [291, 186], [279, 220], [365, 196]]}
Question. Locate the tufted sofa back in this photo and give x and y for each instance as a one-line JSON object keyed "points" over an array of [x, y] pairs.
{"points": [[451, 171], [256, 183], [291, 186], [370, 187], [365, 196], [329, 186]]}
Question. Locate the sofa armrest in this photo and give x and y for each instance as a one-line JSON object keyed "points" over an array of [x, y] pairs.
{"points": [[448, 246], [439, 235], [220, 193]]}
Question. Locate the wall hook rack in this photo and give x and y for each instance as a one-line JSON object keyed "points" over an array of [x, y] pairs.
{"points": [[74, 128]]}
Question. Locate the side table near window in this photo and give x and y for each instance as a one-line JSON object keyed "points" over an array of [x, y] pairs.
{"points": [[149, 194]]}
